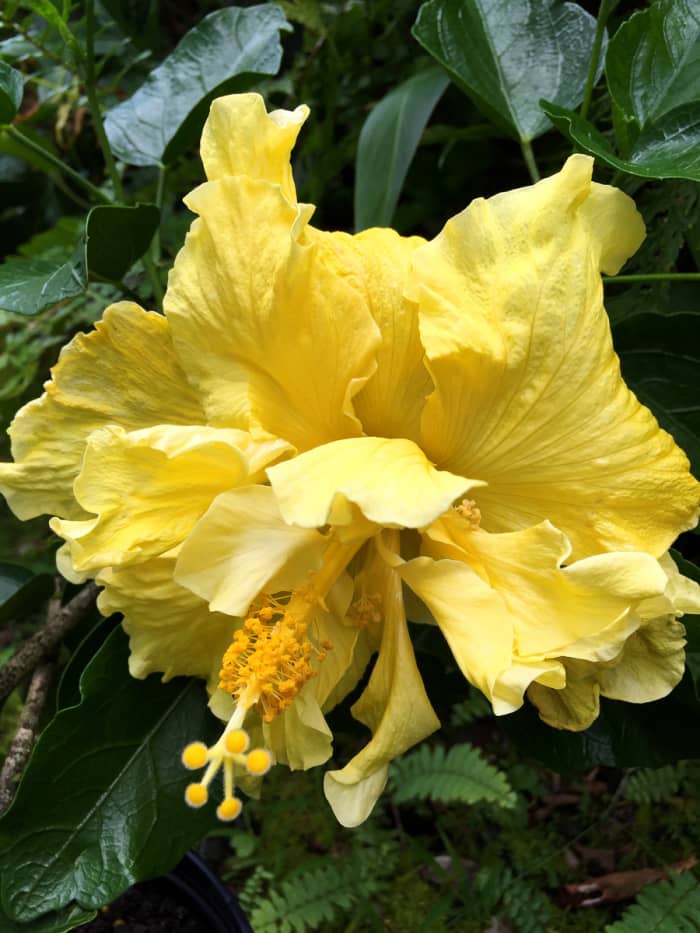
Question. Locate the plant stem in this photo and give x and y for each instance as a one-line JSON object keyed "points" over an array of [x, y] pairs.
{"points": [[91, 90], [529, 157], [160, 192], [153, 278], [57, 164], [603, 13], [653, 277]]}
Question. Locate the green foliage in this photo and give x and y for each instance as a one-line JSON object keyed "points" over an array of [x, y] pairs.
{"points": [[476, 706], [11, 91], [21, 590], [387, 144], [671, 906], [167, 112], [460, 774], [649, 785], [507, 56], [114, 754], [502, 892]]}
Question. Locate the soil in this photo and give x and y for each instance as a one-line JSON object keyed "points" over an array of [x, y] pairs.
{"points": [[147, 907]]}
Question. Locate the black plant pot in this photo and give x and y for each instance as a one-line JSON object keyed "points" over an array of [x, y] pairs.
{"points": [[191, 899]]}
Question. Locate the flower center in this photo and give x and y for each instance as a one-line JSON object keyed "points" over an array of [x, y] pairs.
{"points": [[469, 510]]}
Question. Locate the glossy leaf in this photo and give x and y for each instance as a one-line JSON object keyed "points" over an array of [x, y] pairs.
{"points": [[223, 53], [56, 921], [388, 142], [507, 55], [21, 590], [101, 804], [653, 60], [11, 92], [660, 357], [668, 149], [114, 237]]}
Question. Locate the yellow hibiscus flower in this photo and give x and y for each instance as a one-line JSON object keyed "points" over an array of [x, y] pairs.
{"points": [[320, 419]]}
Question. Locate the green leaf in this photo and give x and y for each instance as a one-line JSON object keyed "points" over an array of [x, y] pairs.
{"points": [[21, 590], [660, 358], [57, 921], [506, 55], [653, 60], [388, 141], [101, 803], [50, 12], [11, 92], [223, 53], [138, 19], [668, 149], [114, 237]]}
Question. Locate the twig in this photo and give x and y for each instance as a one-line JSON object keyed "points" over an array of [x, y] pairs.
{"points": [[23, 742], [40, 645]]}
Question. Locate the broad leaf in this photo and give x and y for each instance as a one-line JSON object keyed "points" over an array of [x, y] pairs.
{"points": [[223, 53], [668, 149], [653, 60], [57, 921], [101, 804], [114, 237], [21, 590], [507, 55], [388, 142], [11, 92], [660, 357]]}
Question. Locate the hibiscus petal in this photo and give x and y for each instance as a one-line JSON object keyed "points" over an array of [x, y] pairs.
{"points": [[277, 332], [241, 546], [528, 393], [576, 706], [389, 479], [124, 372], [394, 705], [241, 138], [149, 487]]}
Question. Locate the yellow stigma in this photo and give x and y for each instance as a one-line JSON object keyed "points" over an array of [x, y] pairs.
{"points": [[229, 809], [237, 741], [259, 761], [195, 755], [196, 795]]}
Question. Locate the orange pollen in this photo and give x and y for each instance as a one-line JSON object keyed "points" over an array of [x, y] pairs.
{"points": [[272, 653]]}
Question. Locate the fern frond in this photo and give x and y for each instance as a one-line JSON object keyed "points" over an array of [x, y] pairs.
{"points": [[476, 706], [311, 898], [671, 906], [461, 774], [499, 891], [654, 785]]}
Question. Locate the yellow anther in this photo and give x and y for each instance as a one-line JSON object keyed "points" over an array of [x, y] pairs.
{"points": [[195, 755], [196, 795], [259, 761], [237, 741], [229, 809], [469, 510]]}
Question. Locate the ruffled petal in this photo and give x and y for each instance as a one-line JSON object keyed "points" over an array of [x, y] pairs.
{"points": [[241, 138], [124, 372], [389, 479], [148, 488], [170, 629], [242, 546], [650, 666], [276, 331], [394, 706], [528, 393], [576, 706]]}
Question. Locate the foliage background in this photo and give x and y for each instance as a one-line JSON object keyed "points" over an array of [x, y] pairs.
{"points": [[456, 844]]}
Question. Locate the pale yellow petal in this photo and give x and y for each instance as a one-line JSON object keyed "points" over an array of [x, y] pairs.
{"points": [[528, 393], [300, 737], [277, 332], [148, 488], [241, 138], [242, 546], [650, 666], [389, 479], [394, 706], [390, 404], [576, 706], [171, 631], [124, 372]]}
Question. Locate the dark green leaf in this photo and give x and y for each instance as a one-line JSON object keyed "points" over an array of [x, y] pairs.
{"points": [[101, 804], [507, 55], [660, 357], [222, 53], [57, 921], [668, 149], [68, 690], [387, 144], [50, 12], [21, 590], [653, 60], [11, 92], [137, 18], [114, 237]]}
